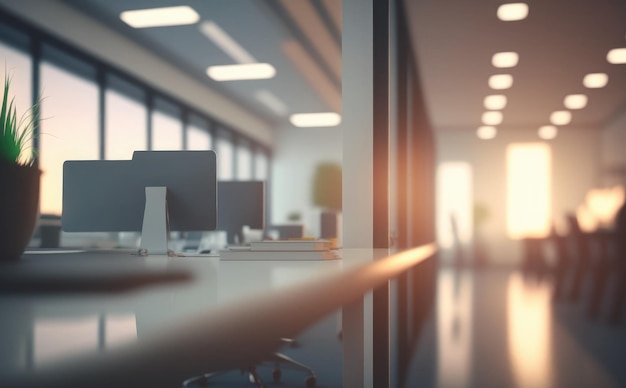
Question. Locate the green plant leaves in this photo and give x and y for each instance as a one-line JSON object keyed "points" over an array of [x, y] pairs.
{"points": [[15, 134]]}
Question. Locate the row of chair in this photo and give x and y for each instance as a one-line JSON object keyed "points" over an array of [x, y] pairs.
{"points": [[589, 268]]}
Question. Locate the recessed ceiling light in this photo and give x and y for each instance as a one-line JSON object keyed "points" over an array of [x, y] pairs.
{"points": [[245, 71], [513, 11], [271, 101], [616, 56], [486, 132], [326, 119], [561, 117], [575, 101], [492, 118], [224, 41], [160, 17], [548, 132], [495, 102], [501, 81], [595, 80], [505, 59]]}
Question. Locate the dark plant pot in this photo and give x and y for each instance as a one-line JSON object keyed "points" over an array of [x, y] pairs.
{"points": [[19, 202]]}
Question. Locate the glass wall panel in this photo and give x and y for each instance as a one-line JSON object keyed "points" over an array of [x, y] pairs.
{"points": [[18, 68], [69, 129], [125, 126], [244, 162], [224, 149]]}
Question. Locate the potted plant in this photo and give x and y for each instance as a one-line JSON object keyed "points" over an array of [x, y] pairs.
{"points": [[327, 194], [19, 177]]}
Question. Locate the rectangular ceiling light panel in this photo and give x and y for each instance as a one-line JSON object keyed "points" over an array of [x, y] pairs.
{"points": [[326, 119], [247, 71], [160, 17]]}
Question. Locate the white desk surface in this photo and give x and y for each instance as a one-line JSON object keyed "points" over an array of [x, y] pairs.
{"points": [[154, 320]]}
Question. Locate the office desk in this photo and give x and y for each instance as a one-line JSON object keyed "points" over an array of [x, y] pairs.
{"points": [[230, 314]]}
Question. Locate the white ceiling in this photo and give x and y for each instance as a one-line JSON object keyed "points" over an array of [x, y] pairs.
{"points": [[271, 31], [559, 42]]}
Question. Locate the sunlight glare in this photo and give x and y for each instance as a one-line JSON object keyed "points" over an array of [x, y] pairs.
{"points": [[529, 174]]}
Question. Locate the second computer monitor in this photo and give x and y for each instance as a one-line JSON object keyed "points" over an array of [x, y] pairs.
{"points": [[239, 204]]}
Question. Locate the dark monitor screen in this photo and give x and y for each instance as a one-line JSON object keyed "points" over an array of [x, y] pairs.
{"points": [[109, 195], [240, 203]]}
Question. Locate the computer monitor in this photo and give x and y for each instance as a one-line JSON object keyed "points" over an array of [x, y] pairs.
{"points": [[240, 203], [110, 195]]}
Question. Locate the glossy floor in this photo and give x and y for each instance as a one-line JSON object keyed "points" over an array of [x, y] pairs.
{"points": [[498, 328], [489, 328]]}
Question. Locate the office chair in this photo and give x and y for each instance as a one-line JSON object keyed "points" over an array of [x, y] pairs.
{"points": [[277, 359]]}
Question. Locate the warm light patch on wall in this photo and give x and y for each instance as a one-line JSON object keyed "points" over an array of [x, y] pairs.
{"points": [[454, 203], [586, 220], [160, 17], [245, 71], [529, 175], [605, 203], [325, 119]]}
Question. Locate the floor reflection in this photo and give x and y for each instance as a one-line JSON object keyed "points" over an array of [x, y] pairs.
{"points": [[56, 338], [529, 331], [454, 328], [120, 329]]}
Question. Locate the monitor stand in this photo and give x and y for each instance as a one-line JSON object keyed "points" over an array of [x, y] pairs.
{"points": [[155, 230]]}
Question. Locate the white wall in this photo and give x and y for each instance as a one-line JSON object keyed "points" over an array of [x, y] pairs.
{"points": [[576, 167], [297, 152], [614, 149]]}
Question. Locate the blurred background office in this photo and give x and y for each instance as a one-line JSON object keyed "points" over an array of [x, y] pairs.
{"points": [[504, 118]]}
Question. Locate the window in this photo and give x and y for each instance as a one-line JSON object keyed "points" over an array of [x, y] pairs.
{"points": [[18, 67], [225, 168], [70, 113], [528, 190], [260, 166], [69, 129], [126, 126], [167, 130], [244, 162], [198, 135]]}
